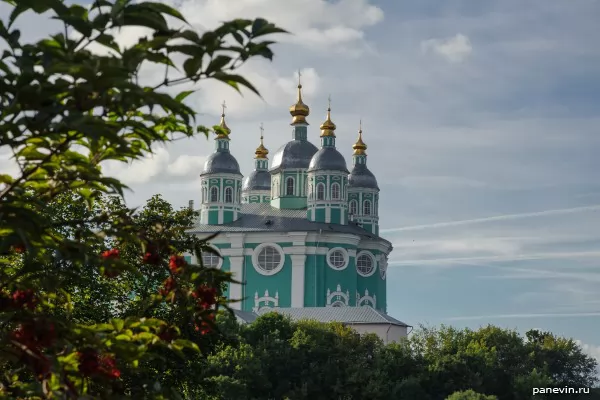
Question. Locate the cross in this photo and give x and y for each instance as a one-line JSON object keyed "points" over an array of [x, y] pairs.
{"points": [[329, 103], [262, 129], [223, 107], [360, 125], [299, 76]]}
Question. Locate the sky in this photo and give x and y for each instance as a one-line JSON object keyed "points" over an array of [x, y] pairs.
{"points": [[482, 124]]}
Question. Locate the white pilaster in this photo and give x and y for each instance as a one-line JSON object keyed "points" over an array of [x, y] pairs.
{"points": [[235, 289], [298, 267]]}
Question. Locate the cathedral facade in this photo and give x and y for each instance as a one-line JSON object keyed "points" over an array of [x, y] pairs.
{"points": [[300, 233]]}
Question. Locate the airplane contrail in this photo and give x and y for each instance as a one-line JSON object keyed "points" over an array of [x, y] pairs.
{"points": [[495, 218], [541, 315]]}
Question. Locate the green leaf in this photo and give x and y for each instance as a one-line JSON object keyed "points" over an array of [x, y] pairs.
{"points": [[183, 95], [118, 324], [217, 64], [191, 66], [234, 81], [164, 9]]}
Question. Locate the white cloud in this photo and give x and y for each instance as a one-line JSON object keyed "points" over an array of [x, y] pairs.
{"points": [[590, 349], [315, 24], [186, 165], [455, 49]]}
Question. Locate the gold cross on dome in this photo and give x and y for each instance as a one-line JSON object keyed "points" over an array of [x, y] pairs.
{"points": [[262, 130], [223, 107]]}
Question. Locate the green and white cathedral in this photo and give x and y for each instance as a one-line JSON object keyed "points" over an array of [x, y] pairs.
{"points": [[302, 234]]}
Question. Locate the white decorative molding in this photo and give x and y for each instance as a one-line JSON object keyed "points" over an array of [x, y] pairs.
{"points": [[344, 253], [383, 265], [265, 302], [298, 277], [236, 240], [338, 298], [360, 301], [373, 263], [236, 267], [257, 251], [298, 238]]}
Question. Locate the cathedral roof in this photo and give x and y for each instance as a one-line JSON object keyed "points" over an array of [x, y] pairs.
{"points": [[293, 154], [257, 180], [328, 158], [361, 177], [221, 162], [344, 315], [261, 217]]}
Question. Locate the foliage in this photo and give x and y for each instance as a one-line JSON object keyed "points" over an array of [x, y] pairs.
{"points": [[470, 395], [68, 257], [278, 358]]}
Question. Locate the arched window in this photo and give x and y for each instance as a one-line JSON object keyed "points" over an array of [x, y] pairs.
{"points": [[228, 195], [320, 191], [204, 196], [289, 186], [335, 191], [367, 207], [353, 207], [214, 194]]}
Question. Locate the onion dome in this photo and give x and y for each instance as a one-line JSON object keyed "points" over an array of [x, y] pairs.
{"points": [[295, 154], [257, 180], [328, 158], [360, 176], [223, 125], [359, 147], [328, 127], [299, 111], [221, 162], [261, 150]]}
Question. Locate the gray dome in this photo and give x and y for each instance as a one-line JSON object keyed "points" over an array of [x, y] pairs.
{"points": [[221, 161], [257, 180], [361, 177], [294, 154], [328, 158]]}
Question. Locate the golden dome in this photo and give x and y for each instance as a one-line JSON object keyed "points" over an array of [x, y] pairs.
{"points": [[299, 111], [360, 146], [223, 125], [328, 127], [261, 150]]}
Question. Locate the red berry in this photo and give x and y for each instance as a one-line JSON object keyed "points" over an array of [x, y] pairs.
{"points": [[168, 286], [207, 296], [111, 254], [19, 249], [89, 362], [151, 258], [175, 263], [24, 298]]}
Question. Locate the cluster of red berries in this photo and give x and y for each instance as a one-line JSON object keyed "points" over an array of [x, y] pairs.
{"points": [[205, 327], [206, 297], [92, 363], [176, 263], [18, 299], [31, 338], [151, 256], [168, 286], [167, 333]]}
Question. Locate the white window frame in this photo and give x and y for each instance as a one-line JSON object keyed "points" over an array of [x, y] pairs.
{"points": [[365, 203], [229, 192], [335, 187], [355, 204], [373, 262], [287, 186], [257, 266], [321, 186], [214, 190], [345, 255]]}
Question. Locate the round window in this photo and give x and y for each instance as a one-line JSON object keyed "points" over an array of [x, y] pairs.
{"points": [[365, 265], [337, 258], [268, 259]]}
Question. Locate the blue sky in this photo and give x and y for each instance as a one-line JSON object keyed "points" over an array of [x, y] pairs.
{"points": [[471, 110]]}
